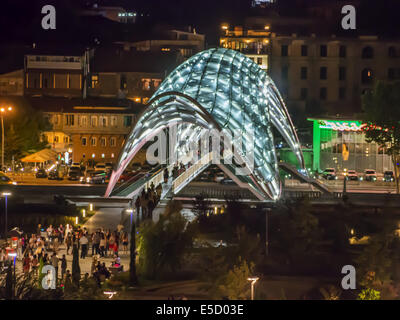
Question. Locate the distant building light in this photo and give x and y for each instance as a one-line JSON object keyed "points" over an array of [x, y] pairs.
{"points": [[224, 27], [266, 27], [112, 155], [165, 49], [102, 155], [93, 155]]}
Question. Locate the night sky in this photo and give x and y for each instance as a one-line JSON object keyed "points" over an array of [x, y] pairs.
{"points": [[20, 19]]}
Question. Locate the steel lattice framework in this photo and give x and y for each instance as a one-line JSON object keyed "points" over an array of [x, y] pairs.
{"points": [[219, 88]]}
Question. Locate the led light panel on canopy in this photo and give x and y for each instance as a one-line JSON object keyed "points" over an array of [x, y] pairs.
{"points": [[224, 89]]}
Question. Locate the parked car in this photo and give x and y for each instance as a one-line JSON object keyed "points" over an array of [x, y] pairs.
{"points": [[352, 175], [97, 177], [54, 175], [4, 179], [227, 181], [109, 166], [370, 175], [388, 176], [74, 174], [100, 167], [219, 176], [329, 174], [41, 173]]}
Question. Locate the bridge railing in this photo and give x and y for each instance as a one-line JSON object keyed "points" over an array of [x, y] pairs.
{"points": [[190, 173]]}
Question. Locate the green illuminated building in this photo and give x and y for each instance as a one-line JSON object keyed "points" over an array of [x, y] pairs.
{"points": [[340, 144]]}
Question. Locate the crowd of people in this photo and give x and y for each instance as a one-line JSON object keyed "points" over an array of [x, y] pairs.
{"points": [[44, 247], [146, 201]]}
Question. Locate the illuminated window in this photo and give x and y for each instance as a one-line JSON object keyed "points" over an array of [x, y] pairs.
{"points": [[93, 121], [95, 81], [113, 121], [83, 121], [127, 121], [69, 119], [366, 76]]}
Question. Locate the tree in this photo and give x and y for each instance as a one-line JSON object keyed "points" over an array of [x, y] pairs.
{"points": [[76, 269], [162, 245], [297, 229], [382, 118], [369, 294], [201, 207], [232, 283]]}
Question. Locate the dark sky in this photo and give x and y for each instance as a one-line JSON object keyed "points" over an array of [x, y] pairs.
{"points": [[20, 20]]}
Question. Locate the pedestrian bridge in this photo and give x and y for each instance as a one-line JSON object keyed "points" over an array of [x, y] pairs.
{"points": [[217, 89]]}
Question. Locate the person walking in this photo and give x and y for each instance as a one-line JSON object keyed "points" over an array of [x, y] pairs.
{"points": [[96, 243], [63, 266], [26, 264], [68, 241], [84, 243], [103, 242], [54, 263]]}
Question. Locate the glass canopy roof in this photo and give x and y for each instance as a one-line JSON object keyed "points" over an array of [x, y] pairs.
{"points": [[224, 89]]}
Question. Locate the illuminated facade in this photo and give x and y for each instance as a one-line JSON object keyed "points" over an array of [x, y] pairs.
{"points": [[253, 42], [340, 144], [221, 89]]}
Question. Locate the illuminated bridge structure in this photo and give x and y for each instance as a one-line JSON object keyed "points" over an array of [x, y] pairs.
{"points": [[221, 89]]}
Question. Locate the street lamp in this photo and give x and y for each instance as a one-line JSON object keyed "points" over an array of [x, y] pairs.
{"points": [[253, 281], [5, 195], [2, 111]]}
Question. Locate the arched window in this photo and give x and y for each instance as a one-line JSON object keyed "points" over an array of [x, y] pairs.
{"points": [[367, 76], [392, 52], [367, 53]]}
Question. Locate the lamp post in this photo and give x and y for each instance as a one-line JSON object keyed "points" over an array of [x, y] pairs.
{"points": [[5, 195], [2, 111], [253, 281]]}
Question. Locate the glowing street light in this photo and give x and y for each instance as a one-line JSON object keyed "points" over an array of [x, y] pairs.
{"points": [[2, 111], [5, 195], [253, 281], [91, 207], [110, 294], [84, 213], [76, 220]]}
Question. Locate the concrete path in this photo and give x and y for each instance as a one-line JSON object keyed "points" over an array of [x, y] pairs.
{"points": [[107, 218]]}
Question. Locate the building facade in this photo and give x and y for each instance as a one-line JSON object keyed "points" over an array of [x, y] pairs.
{"points": [[319, 73], [341, 144], [12, 83], [55, 75], [87, 129]]}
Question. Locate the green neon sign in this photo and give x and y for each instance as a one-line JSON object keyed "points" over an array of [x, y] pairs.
{"points": [[341, 125]]}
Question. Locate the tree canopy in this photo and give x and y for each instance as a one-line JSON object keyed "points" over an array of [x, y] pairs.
{"points": [[382, 117], [22, 129]]}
